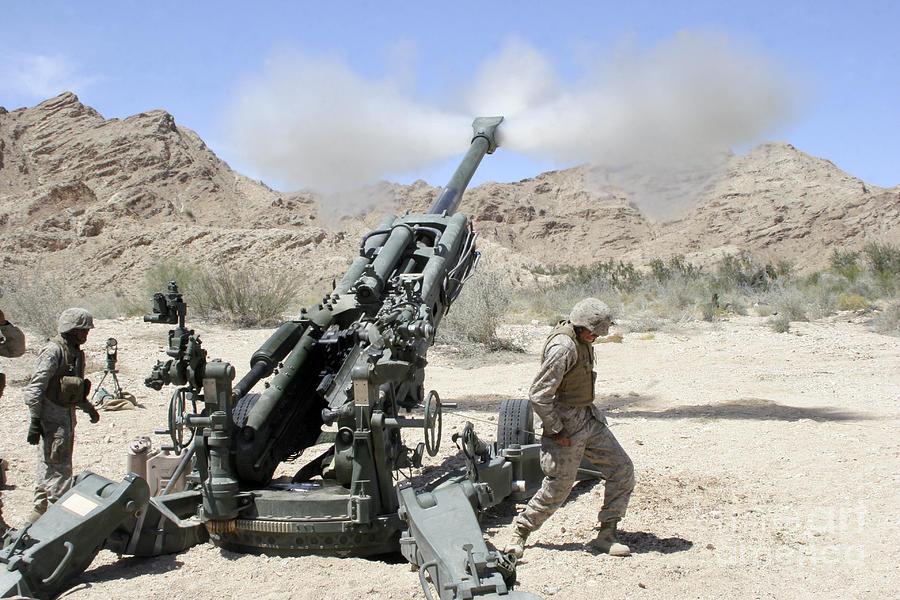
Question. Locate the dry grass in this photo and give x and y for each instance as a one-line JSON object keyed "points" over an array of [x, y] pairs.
{"points": [[35, 298], [243, 296], [476, 315]]}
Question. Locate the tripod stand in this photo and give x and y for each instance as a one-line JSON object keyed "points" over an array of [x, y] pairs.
{"points": [[112, 352]]}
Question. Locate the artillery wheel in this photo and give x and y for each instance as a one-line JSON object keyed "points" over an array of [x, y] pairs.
{"points": [[242, 409], [516, 423], [433, 423], [177, 409]]}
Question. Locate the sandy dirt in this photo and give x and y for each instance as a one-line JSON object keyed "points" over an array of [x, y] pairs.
{"points": [[767, 467]]}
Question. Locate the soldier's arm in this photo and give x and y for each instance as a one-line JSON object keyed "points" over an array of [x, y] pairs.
{"points": [[559, 359], [44, 367], [13, 342]]}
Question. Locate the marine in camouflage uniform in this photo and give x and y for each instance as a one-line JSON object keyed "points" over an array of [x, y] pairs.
{"points": [[12, 345], [574, 428], [56, 388]]}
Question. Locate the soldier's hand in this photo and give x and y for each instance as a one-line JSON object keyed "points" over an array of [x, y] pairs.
{"points": [[92, 413], [561, 439], [2, 383], [34, 431], [2, 317]]}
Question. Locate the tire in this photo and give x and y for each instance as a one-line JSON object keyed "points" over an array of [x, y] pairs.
{"points": [[242, 409], [516, 423]]}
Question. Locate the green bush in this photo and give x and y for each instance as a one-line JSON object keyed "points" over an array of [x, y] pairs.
{"points": [[846, 263], [851, 302], [742, 271], [884, 261], [158, 276], [883, 258], [676, 267], [611, 274]]}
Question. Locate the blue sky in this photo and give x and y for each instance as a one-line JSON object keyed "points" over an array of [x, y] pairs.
{"points": [[840, 62]]}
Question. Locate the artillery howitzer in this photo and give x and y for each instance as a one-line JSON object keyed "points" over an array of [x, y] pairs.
{"points": [[355, 364]]}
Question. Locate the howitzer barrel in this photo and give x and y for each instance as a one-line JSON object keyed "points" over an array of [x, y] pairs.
{"points": [[483, 143], [381, 318]]}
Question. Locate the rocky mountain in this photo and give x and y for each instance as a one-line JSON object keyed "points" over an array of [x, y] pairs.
{"points": [[100, 200]]}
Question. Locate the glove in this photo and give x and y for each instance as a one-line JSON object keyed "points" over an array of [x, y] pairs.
{"points": [[34, 431], [92, 412], [87, 389]]}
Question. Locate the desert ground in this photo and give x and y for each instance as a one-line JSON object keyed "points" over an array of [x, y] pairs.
{"points": [[767, 467]]}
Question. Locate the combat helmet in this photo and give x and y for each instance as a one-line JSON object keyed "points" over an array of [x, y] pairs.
{"points": [[591, 314], [74, 318]]}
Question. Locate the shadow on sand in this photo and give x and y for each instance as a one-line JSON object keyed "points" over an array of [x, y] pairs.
{"points": [[742, 408], [639, 542], [127, 568]]}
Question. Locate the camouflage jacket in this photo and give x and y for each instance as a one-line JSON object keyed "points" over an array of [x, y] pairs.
{"points": [[47, 370], [560, 357]]}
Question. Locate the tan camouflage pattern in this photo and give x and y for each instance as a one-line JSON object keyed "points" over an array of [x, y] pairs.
{"points": [[560, 357], [54, 466], [589, 436]]}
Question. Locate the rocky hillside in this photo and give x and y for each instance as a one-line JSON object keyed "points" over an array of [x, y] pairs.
{"points": [[103, 199]]}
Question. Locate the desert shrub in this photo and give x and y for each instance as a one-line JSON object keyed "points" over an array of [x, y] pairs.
{"points": [[764, 309], [34, 299], [673, 291], [617, 275], [158, 276], [675, 267], [887, 321], [784, 270], [243, 296], [659, 270], [792, 304], [883, 258], [884, 261], [642, 322], [475, 316], [742, 271], [712, 311], [851, 302], [681, 295], [846, 263], [156, 279], [550, 301], [780, 323]]}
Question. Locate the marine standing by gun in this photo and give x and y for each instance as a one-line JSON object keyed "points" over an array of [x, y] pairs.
{"points": [[12, 345], [56, 387], [574, 428]]}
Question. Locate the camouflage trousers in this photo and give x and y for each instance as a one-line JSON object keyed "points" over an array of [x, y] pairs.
{"points": [[54, 467], [596, 443]]}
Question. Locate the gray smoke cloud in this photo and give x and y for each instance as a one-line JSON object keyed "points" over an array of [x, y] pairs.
{"points": [[671, 113], [314, 122]]}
